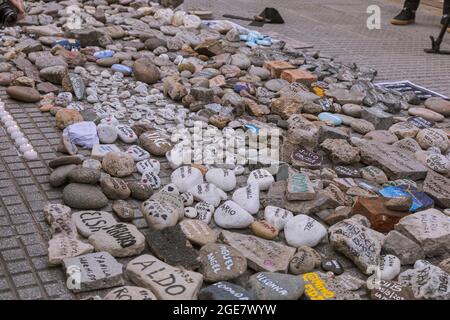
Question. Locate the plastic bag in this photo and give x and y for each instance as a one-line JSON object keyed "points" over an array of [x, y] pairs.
{"points": [[83, 134], [191, 21]]}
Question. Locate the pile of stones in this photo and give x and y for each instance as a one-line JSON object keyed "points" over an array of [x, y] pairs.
{"points": [[168, 190]]}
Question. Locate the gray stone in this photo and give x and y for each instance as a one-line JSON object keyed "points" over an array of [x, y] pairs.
{"points": [[170, 246], [84, 175], [276, 286], [120, 240], [84, 196], [60, 175], [225, 291], [394, 162], [140, 191], [93, 271], [123, 210], [429, 228], [438, 187], [115, 188], [220, 262]]}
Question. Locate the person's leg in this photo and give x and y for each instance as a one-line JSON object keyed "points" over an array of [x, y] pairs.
{"points": [[408, 13], [446, 12]]}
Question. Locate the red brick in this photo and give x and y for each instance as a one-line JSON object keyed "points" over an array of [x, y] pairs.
{"points": [[298, 75], [277, 67]]}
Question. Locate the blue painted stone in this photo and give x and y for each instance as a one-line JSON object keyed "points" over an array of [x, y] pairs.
{"points": [[104, 54], [420, 200], [121, 68], [326, 116]]}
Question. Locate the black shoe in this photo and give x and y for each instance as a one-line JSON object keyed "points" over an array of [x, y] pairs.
{"points": [[406, 16], [444, 17]]}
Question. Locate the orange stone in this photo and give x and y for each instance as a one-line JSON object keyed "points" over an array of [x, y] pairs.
{"points": [[298, 75], [46, 107], [381, 218], [200, 167], [263, 229], [217, 81], [277, 67]]}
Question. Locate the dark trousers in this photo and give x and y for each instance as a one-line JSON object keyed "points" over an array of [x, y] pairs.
{"points": [[414, 4]]}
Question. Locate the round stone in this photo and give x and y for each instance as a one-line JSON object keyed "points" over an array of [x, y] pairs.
{"points": [[123, 210], [223, 178], [305, 260], [277, 217], [140, 191], [25, 94], [262, 177], [231, 216], [92, 164], [432, 138], [373, 174], [303, 230], [383, 136], [220, 262], [84, 196], [352, 110], [332, 265], [107, 133], [118, 164], [362, 126], [404, 130], [190, 212], [438, 163], [248, 197], [185, 177], [115, 188]]}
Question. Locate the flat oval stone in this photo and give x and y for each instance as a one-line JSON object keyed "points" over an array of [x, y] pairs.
{"points": [[25, 94], [157, 215], [332, 265], [276, 286], [123, 210], [306, 259], [198, 232], [84, 175], [140, 191], [118, 164], [148, 165], [115, 188], [107, 133], [225, 291], [426, 114], [230, 215], [262, 177], [126, 134], [264, 230], [185, 177], [151, 179], [329, 117], [138, 153], [155, 142], [303, 230], [220, 262], [207, 192], [277, 217], [89, 222], [84, 196]]}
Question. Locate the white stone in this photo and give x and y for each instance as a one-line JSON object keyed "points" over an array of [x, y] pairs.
{"points": [[209, 193], [188, 198], [91, 221], [238, 170], [138, 153], [262, 177], [151, 179], [248, 197], [277, 217], [126, 134], [204, 211], [61, 247], [106, 133], [232, 216], [389, 266], [157, 215], [303, 230], [120, 240], [185, 177], [190, 212], [175, 157], [92, 164], [222, 178], [148, 165], [100, 150]]}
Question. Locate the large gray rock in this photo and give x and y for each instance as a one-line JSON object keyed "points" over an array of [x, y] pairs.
{"points": [[429, 228], [427, 282], [402, 247], [60, 175], [360, 244], [396, 163], [84, 196]]}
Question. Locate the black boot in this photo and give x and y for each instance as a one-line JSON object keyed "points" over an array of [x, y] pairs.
{"points": [[443, 20], [406, 16]]}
